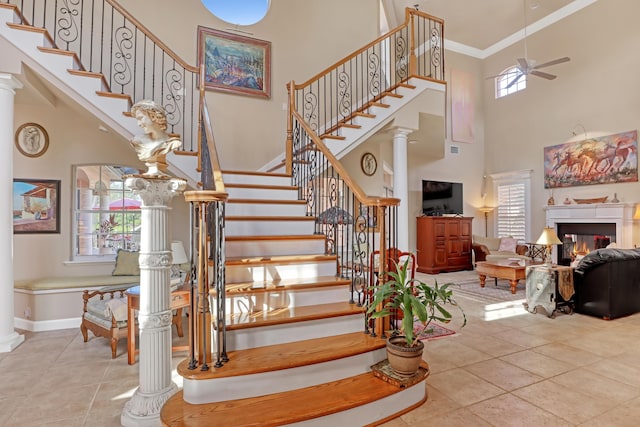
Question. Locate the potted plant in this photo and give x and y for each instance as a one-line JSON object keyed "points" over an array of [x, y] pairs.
{"points": [[104, 230], [414, 305]]}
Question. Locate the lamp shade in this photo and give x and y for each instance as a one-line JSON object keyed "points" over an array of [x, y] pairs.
{"points": [[548, 237], [335, 215], [178, 253], [486, 209]]}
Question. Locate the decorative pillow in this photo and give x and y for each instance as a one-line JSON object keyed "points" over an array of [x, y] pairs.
{"points": [[126, 264], [508, 244]]}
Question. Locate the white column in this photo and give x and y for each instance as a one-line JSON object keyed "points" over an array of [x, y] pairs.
{"points": [[400, 188], [154, 317], [9, 338]]}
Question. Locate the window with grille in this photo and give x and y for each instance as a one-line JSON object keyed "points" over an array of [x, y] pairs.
{"points": [[512, 216], [106, 214], [510, 81]]}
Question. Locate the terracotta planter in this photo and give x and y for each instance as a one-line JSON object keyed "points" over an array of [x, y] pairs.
{"points": [[405, 361]]}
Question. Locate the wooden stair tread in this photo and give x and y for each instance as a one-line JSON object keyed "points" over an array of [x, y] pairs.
{"points": [[362, 114], [283, 408], [288, 355], [393, 95], [256, 173], [275, 237], [264, 201], [262, 187], [329, 136], [233, 289], [270, 218], [277, 259], [283, 316]]}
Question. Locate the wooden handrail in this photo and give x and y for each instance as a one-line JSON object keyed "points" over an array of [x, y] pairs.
{"points": [[409, 13], [357, 190]]}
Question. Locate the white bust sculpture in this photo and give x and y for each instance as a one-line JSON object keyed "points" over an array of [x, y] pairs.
{"points": [[153, 146]]}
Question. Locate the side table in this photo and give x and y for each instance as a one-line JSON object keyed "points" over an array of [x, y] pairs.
{"points": [[549, 287], [179, 300]]}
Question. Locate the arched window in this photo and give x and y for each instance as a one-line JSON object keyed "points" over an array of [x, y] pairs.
{"points": [[510, 81], [246, 12]]}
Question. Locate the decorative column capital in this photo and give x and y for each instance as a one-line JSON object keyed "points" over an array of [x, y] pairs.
{"points": [[9, 82], [155, 191]]}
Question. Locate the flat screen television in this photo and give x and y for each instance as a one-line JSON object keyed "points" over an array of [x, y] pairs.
{"points": [[441, 198]]}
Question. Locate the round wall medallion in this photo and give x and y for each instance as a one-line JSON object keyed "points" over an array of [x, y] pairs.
{"points": [[32, 140], [368, 164]]}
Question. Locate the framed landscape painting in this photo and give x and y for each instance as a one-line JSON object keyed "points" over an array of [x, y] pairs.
{"points": [[234, 63], [601, 160], [36, 206]]}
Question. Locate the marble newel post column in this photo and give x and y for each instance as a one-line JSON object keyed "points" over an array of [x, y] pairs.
{"points": [[154, 317], [9, 338]]}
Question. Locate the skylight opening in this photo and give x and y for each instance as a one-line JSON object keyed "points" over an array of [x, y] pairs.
{"points": [[246, 12]]}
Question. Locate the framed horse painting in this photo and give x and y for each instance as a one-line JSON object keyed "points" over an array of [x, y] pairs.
{"points": [[601, 160]]}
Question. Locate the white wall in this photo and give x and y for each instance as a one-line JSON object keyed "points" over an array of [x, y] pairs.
{"points": [[598, 88]]}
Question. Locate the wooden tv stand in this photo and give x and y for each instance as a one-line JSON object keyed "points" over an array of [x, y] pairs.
{"points": [[444, 244]]}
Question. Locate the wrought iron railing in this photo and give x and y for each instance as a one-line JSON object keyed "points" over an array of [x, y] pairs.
{"points": [[357, 227], [107, 40], [331, 100]]}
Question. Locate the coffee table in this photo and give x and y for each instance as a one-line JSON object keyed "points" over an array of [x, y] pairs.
{"points": [[511, 270]]}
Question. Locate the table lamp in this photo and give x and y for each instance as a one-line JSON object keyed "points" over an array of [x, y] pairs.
{"points": [[548, 238], [179, 257]]}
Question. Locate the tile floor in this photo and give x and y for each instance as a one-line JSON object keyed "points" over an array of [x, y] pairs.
{"points": [[507, 367]]}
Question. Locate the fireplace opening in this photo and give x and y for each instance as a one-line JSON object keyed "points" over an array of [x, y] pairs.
{"points": [[582, 238]]}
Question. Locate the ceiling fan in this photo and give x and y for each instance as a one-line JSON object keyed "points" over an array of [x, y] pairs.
{"points": [[527, 66]]}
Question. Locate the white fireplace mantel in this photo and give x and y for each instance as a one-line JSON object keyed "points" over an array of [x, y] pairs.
{"points": [[620, 214]]}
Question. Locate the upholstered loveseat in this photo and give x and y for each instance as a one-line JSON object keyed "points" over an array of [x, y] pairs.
{"points": [[607, 283], [494, 249]]}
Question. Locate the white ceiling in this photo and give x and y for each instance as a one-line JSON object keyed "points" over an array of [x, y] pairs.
{"points": [[481, 28]]}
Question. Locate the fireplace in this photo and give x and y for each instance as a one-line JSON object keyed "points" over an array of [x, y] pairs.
{"points": [[583, 227], [582, 238]]}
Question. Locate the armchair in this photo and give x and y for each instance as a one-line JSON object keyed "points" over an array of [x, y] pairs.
{"points": [[105, 314]]}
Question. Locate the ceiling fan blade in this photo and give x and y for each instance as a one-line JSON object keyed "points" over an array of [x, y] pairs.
{"points": [[523, 63], [543, 75], [554, 62], [514, 80]]}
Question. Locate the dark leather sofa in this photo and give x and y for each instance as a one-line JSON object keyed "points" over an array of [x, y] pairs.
{"points": [[607, 283]]}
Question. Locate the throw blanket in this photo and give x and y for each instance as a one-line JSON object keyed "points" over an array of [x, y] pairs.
{"points": [[117, 307], [565, 282]]}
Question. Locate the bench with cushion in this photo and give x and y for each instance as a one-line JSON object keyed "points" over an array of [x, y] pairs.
{"points": [[50, 303]]}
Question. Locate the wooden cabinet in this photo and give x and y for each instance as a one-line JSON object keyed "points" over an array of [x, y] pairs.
{"points": [[443, 244]]}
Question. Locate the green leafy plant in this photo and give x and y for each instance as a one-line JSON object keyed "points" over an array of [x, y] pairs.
{"points": [[416, 300]]}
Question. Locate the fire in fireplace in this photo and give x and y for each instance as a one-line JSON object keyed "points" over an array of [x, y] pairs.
{"points": [[582, 238]]}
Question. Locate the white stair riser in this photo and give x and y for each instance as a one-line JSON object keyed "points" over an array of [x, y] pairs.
{"points": [[290, 298], [265, 209], [268, 228], [221, 389], [253, 248], [242, 274], [262, 193], [371, 412], [232, 178], [241, 339]]}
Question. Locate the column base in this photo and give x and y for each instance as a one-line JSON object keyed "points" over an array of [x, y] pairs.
{"points": [[144, 408], [10, 342]]}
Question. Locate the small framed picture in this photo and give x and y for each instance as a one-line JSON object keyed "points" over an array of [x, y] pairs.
{"points": [[36, 206], [32, 140]]}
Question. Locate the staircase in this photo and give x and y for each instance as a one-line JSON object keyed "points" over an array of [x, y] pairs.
{"points": [[295, 336], [297, 348]]}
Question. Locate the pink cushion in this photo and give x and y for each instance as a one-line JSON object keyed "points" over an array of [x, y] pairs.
{"points": [[508, 244]]}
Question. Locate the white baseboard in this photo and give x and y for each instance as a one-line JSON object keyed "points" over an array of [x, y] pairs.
{"points": [[46, 325]]}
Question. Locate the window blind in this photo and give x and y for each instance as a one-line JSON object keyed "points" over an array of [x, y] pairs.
{"points": [[511, 211]]}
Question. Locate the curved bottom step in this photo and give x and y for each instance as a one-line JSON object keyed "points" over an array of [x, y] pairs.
{"points": [[358, 400]]}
